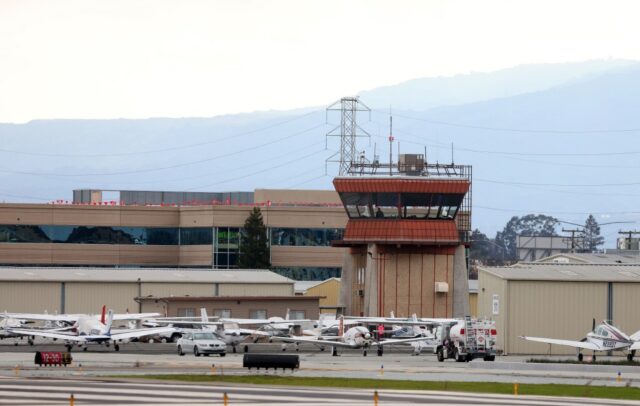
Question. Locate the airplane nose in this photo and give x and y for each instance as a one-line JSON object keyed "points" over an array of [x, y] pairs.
{"points": [[367, 336]]}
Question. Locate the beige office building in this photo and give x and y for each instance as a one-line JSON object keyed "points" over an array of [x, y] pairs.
{"points": [[174, 229]]}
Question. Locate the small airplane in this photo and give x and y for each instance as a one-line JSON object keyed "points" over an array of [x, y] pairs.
{"points": [[603, 337], [7, 323], [84, 329], [355, 337], [230, 330]]}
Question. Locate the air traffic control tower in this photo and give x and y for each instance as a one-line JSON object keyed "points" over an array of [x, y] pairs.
{"points": [[408, 229], [407, 234]]}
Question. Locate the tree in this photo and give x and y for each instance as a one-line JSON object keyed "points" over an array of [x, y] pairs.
{"points": [[485, 250], [254, 247], [591, 234], [535, 225]]}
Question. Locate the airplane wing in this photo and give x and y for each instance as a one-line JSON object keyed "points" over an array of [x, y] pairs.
{"points": [[392, 341], [49, 334], [71, 318], [310, 340], [577, 344], [141, 333], [133, 316]]}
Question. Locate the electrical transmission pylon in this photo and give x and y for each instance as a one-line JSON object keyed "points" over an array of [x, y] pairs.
{"points": [[348, 130]]}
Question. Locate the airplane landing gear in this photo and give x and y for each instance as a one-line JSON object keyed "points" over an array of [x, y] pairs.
{"points": [[233, 348], [334, 351], [364, 353], [84, 348], [116, 347], [631, 355], [380, 351], [580, 357], [30, 341], [69, 347]]}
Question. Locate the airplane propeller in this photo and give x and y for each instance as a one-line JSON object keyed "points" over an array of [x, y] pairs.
{"points": [[593, 325]]}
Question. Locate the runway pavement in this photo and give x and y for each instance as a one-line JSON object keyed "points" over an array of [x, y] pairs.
{"points": [[18, 373], [38, 391]]}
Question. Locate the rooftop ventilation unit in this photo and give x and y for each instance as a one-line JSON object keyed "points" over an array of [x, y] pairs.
{"points": [[411, 164]]}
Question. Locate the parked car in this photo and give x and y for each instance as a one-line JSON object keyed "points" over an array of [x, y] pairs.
{"points": [[201, 343]]}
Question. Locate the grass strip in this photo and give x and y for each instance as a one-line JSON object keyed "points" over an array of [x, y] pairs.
{"points": [[628, 393], [575, 361]]}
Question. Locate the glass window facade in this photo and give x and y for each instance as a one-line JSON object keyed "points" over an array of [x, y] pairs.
{"points": [[304, 237], [89, 235], [308, 274], [418, 206], [226, 248], [196, 236]]}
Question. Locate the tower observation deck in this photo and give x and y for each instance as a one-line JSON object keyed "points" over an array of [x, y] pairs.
{"points": [[408, 229]]}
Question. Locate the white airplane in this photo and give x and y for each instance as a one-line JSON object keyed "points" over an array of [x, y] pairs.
{"points": [[603, 337], [7, 323], [85, 329], [228, 329], [355, 337]]}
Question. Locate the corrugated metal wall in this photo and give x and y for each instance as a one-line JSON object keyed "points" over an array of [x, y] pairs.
{"points": [[552, 309], [83, 297], [330, 290], [488, 286], [30, 297], [626, 306], [244, 289], [178, 289]]}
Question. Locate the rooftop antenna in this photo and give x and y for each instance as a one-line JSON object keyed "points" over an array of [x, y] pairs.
{"points": [[390, 142], [452, 153]]}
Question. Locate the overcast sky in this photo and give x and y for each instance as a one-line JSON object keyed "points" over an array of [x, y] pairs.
{"points": [[135, 59]]}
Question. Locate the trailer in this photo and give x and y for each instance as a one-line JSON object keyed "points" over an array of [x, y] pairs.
{"points": [[466, 339]]}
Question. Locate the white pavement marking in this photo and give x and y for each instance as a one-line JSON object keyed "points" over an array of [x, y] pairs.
{"points": [[56, 392]]}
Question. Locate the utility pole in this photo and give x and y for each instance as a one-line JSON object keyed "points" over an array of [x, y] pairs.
{"points": [[348, 130], [573, 232], [629, 235]]}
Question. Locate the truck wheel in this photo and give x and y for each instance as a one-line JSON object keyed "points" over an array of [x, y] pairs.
{"points": [[458, 357], [440, 355], [222, 354], [490, 358]]}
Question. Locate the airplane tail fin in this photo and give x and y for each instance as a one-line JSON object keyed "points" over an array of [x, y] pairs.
{"points": [[102, 318], [203, 315], [109, 322]]}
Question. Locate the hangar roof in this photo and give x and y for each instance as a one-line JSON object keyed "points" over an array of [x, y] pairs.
{"points": [[589, 258], [168, 275], [567, 272]]}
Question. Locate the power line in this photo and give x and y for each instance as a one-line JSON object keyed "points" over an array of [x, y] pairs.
{"points": [[517, 130], [257, 172], [233, 169], [165, 167], [556, 184], [515, 153], [154, 151], [502, 209]]}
